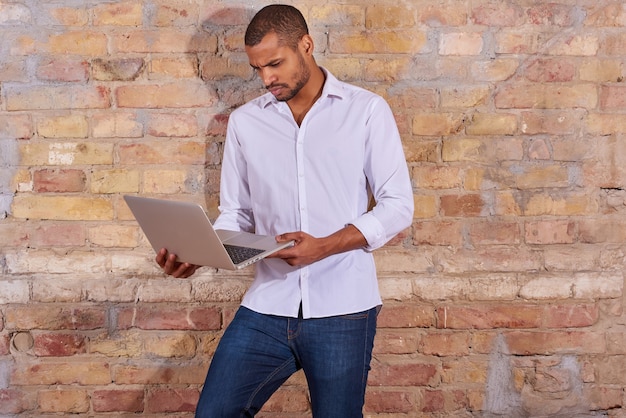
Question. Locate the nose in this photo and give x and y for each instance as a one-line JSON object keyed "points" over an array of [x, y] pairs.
{"points": [[267, 76]]}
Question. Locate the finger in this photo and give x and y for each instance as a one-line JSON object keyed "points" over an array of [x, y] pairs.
{"points": [[161, 257]]}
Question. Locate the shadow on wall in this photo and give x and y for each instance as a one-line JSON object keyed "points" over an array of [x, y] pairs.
{"points": [[217, 49], [9, 160]]}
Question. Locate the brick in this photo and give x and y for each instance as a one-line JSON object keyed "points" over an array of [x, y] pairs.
{"points": [[492, 259], [345, 68], [571, 316], [115, 181], [59, 345], [14, 291], [175, 13], [393, 261], [497, 14], [59, 180], [437, 124], [170, 318], [177, 95], [63, 400], [466, 205], [552, 14], [389, 401], [541, 96], [113, 290], [58, 98], [55, 318], [171, 152], [550, 232], [607, 15], [405, 316], [442, 400], [122, 344], [14, 235], [118, 14], [438, 233], [165, 290], [65, 153], [550, 70], [551, 122], [113, 236], [388, 70], [388, 16], [69, 70], [217, 68], [14, 70], [447, 13], [57, 235], [117, 69], [71, 126], [579, 286], [400, 41], [436, 177], [464, 370], [460, 97], [172, 400], [559, 204], [181, 67], [601, 231], [87, 43], [288, 399], [343, 15], [13, 401], [601, 71], [62, 373], [118, 400], [613, 44], [149, 373], [576, 45], [482, 149], [396, 342], [603, 398], [484, 317], [15, 14], [61, 208], [492, 124], [494, 233], [555, 342], [68, 16], [116, 125], [539, 149], [612, 97], [445, 344], [173, 125], [16, 127], [61, 290], [461, 43], [413, 98], [408, 373], [163, 40], [166, 181], [498, 69], [605, 124], [425, 207]]}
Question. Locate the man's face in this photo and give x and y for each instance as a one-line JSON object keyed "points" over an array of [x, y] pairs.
{"points": [[284, 71]]}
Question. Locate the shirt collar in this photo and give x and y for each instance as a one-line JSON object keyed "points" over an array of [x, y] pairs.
{"points": [[332, 87]]}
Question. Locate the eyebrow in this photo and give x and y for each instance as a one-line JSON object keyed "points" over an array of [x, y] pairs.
{"points": [[271, 62]]}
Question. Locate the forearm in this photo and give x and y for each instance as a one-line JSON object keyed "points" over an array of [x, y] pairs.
{"points": [[346, 239]]}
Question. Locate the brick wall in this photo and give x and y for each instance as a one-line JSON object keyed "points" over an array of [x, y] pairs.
{"points": [[505, 298]]}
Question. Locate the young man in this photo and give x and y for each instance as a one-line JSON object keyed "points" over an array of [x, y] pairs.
{"points": [[301, 163]]}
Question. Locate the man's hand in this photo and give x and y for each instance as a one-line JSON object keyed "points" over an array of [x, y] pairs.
{"points": [[308, 249], [172, 267]]}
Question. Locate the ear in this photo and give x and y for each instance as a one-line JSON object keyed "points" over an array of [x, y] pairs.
{"points": [[306, 44]]}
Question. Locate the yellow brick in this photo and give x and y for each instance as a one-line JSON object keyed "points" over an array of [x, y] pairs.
{"points": [[389, 69], [577, 45], [78, 43], [180, 67], [437, 124], [53, 97], [235, 65], [164, 41], [345, 68], [459, 97], [174, 125], [541, 177], [170, 152], [508, 203], [605, 124], [116, 125], [461, 44], [381, 16], [61, 208], [565, 205], [170, 345], [602, 71], [22, 181], [63, 400], [66, 153], [343, 15], [114, 236], [434, 177], [492, 124], [72, 126], [384, 42], [425, 206], [115, 181], [62, 373], [483, 149], [118, 14], [70, 16], [174, 95], [494, 70], [164, 181], [543, 96]]}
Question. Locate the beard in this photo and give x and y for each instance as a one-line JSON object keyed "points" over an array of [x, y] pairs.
{"points": [[301, 78]]}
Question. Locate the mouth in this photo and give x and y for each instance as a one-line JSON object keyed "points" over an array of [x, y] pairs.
{"points": [[275, 89]]}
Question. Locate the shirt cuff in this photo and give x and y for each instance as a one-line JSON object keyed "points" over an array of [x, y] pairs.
{"points": [[372, 230]]}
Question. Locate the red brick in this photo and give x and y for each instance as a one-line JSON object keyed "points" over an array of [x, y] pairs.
{"points": [[407, 373], [442, 344], [489, 233], [487, 316], [551, 14], [126, 400], [550, 232], [467, 205], [59, 345], [438, 233], [612, 97], [59, 181], [172, 400], [396, 341], [389, 401], [443, 400], [55, 318], [63, 69], [13, 401], [550, 70], [498, 14], [288, 399], [58, 235], [571, 316], [5, 340], [405, 316], [166, 318]]}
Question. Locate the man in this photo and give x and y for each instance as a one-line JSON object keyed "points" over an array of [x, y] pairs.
{"points": [[301, 163]]}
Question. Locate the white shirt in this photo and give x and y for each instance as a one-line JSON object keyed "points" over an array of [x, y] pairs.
{"points": [[278, 177]]}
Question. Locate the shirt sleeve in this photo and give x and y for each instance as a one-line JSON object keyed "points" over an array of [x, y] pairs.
{"points": [[235, 202], [388, 177]]}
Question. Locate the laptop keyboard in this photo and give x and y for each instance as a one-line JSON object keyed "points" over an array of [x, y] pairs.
{"points": [[240, 254]]}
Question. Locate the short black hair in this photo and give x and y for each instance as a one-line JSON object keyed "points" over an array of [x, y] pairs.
{"points": [[284, 20]]}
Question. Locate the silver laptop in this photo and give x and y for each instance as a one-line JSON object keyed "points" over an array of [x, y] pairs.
{"points": [[185, 230]]}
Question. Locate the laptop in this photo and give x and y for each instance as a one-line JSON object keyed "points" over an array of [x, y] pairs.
{"points": [[185, 230]]}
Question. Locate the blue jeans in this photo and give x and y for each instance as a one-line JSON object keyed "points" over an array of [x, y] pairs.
{"points": [[257, 353]]}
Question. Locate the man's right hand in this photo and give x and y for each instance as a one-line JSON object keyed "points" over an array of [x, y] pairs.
{"points": [[168, 263]]}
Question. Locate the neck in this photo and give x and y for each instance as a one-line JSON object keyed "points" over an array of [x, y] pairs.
{"points": [[309, 94]]}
